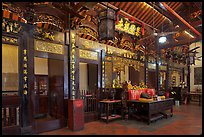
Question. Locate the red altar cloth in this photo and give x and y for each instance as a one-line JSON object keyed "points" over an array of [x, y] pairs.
{"points": [[135, 94]]}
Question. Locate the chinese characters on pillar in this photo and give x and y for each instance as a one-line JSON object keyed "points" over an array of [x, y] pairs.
{"points": [[103, 74], [72, 61], [25, 72], [103, 70]]}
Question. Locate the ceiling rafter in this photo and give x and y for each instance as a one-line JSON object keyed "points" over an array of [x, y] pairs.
{"points": [[138, 13], [181, 19], [135, 9]]}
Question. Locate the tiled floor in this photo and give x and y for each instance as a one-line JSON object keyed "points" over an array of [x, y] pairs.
{"points": [[187, 120]]}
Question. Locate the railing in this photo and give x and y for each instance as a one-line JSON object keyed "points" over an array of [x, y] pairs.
{"points": [[90, 100], [10, 111]]}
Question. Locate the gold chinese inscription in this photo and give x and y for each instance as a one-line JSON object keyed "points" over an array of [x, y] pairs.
{"points": [[88, 54], [48, 47], [25, 72], [130, 28], [72, 67], [103, 74]]}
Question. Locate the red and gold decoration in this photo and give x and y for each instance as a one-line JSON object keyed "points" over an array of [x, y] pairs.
{"points": [[129, 25], [11, 27]]}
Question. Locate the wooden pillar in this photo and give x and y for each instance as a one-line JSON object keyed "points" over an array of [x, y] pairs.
{"points": [[188, 76], [146, 67], [66, 70], [157, 64], [26, 77], [167, 85], [75, 105], [102, 66], [188, 67], [77, 66], [73, 60], [183, 74]]}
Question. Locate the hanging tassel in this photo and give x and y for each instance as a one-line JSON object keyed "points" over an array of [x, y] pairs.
{"points": [[117, 16], [142, 29]]}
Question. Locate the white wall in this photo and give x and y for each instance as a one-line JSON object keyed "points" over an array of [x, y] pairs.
{"points": [[83, 76], [197, 64]]}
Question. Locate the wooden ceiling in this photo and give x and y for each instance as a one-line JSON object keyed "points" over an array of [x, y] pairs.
{"points": [[150, 13], [145, 12]]}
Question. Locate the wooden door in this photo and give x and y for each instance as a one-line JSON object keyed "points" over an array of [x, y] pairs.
{"points": [[92, 77], [134, 76], [40, 96]]}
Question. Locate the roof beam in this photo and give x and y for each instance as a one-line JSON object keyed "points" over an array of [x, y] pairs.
{"points": [[181, 19], [161, 11]]}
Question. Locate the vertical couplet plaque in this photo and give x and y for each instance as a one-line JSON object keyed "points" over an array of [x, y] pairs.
{"points": [[103, 70], [25, 72], [72, 66]]}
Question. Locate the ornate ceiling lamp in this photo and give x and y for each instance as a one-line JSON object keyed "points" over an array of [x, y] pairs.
{"points": [[106, 24]]}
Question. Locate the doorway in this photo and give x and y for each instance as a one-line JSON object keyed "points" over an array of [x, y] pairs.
{"points": [[48, 95], [88, 76], [88, 85]]}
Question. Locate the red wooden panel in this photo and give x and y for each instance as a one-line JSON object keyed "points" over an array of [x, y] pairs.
{"points": [[39, 24], [6, 14], [15, 17], [76, 114], [46, 26]]}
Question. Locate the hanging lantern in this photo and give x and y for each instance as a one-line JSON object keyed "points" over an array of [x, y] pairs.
{"points": [[106, 24]]}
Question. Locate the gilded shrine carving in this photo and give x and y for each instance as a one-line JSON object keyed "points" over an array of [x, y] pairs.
{"points": [[48, 47]]}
